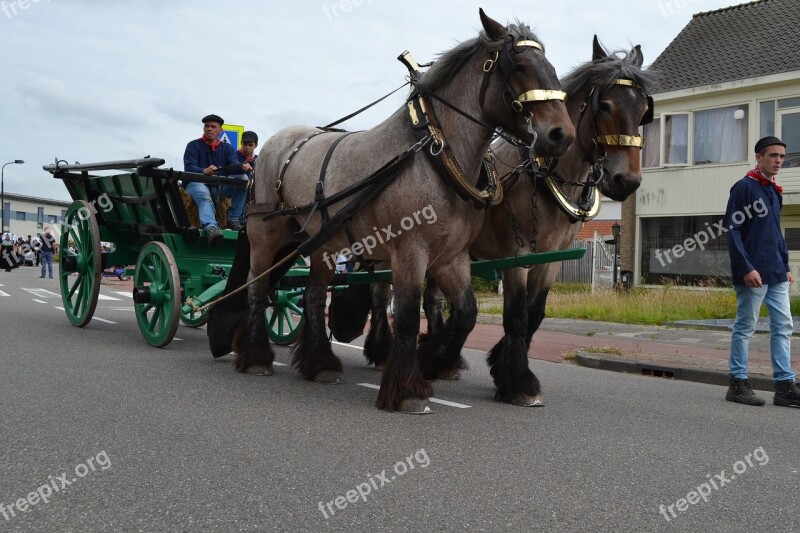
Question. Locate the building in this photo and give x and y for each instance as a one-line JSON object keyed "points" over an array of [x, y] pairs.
{"points": [[729, 78], [28, 215]]}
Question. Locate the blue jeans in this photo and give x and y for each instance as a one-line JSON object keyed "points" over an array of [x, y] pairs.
{"points": [[748, 304], [205, 195], [47, 262]]}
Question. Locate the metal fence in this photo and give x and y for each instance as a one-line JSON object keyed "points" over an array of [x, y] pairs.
{"points": [[598, 258]]}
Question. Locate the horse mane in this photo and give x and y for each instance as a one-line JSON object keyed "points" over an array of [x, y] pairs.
{"points": [[602, 72], [450, 62]]}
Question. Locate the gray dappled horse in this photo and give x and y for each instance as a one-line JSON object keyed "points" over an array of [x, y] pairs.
{"points": [[500, 78], [607, 101]]}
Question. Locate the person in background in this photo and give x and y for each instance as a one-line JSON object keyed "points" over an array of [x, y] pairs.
{"points": [[246, 155], [760, 273], [208, 155], [49, 248], [7, 252]]}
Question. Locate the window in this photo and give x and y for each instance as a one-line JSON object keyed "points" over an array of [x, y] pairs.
{"points": [[52, 219], [790, 134], [720, 135], [6, 215], [20, 216], [40, 217], [671, 254], [63, 214], [652, 146], [788, 102], [676, 139], [766, 119]]}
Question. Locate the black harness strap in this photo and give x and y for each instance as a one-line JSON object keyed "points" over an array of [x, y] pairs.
{"points": [[319, 192]]}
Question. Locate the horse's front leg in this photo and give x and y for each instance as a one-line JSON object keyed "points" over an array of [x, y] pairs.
{"points": [[433, 304], [440, 353], [312, 355], [402, 387], [508, 359]]}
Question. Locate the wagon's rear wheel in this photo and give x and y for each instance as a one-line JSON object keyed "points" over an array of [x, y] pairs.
{"points": [[80, 270], [157, 294]]}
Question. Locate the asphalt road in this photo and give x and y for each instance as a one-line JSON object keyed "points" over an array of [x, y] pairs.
{"points": [[116, 435]]}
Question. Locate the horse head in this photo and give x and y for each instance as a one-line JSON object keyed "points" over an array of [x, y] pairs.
{"points": [[529, 99], [615, 102]]}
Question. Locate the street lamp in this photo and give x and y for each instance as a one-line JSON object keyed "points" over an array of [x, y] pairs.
{"points": [[2, 192], [615, 229]]}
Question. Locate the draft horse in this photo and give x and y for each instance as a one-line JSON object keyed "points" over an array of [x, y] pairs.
{"points": [[499, 80], [542, 210]]}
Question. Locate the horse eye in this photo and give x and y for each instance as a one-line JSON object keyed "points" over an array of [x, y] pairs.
{"points": [[605, 106]]}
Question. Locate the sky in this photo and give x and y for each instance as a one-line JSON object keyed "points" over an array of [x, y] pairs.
{"points": [[104, 80]]}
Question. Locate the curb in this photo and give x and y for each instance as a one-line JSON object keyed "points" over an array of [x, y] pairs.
{"points": [[697, 375]]}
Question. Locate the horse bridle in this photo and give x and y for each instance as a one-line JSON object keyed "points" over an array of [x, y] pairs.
{"points": [[425, 123]]}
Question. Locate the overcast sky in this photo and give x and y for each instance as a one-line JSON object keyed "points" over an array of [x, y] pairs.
{"points": [[100, 80]]}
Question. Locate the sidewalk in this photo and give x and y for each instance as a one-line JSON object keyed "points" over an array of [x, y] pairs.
{"points": [[673, 352]]}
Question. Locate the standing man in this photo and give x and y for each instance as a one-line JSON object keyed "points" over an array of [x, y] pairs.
{"points": [[760, 272], [49, 247], [208, 155]]}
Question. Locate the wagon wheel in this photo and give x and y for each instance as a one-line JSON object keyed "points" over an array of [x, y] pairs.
{"points": [[157, 294], [285, 318], [79, 293], [194, 319]]}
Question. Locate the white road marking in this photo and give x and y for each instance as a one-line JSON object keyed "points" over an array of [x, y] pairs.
{"points": [[279, 364], [4, 293], [104, 297], [39, 301], [349, 345], [42, 293], [123, 293], [434, 400], [102, 320], [177, 339]]}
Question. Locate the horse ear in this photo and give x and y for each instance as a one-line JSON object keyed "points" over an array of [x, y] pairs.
{"points": [[597, 50], [493, 29], [639, 59]]}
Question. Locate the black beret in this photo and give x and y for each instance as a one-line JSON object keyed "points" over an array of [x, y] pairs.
{"points": [[249, 136], [767, 141], [213, 118]]}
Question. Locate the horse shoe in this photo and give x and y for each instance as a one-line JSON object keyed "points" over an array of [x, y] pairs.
{"points": [[329, 377], [260, 370], [415, 406]]}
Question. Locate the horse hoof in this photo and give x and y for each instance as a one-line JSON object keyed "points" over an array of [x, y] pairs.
{"points": [[260, 370], [329, 377], [450, 375], [528, 401], [415, 406]]}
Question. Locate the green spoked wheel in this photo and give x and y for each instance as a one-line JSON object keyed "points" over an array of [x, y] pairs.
{"points": [[194, 319], [285, 317], [79, 270], [157, 294]]}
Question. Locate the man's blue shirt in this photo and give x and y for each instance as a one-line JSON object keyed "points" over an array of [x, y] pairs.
{"points": [[199, 156]]}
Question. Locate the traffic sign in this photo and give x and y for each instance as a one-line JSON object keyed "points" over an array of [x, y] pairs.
{"points": [[232, 134]]}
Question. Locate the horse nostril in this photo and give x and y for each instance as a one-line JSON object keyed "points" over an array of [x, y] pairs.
{"points": [[556, 135], [619, 180]]}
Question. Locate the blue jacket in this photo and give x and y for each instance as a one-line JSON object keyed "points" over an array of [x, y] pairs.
{"points": [[199, 156], [755, 240], [240, 156]]}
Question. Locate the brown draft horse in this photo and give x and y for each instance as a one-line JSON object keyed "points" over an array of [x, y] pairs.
{"points": [[607, 101], [501, 79]]}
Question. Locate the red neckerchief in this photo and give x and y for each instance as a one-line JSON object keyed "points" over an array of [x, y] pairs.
{"points": [[759, 176], [212, 145], [248, 159]]}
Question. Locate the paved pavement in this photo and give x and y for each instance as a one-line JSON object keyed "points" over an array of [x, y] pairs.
{"points": [[680, 351]]}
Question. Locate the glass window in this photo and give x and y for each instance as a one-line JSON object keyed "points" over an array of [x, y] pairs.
{"points": [[63, 214], [720, 135], [6, 215], [52, 219], [40, 217], [676, 139], [788, 102], [20, 216], [671, 251], [790, 134], [651, 153], [766, 118]]}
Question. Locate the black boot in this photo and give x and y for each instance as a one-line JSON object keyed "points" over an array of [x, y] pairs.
{"points": [[787, 394], [740, 392]]}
